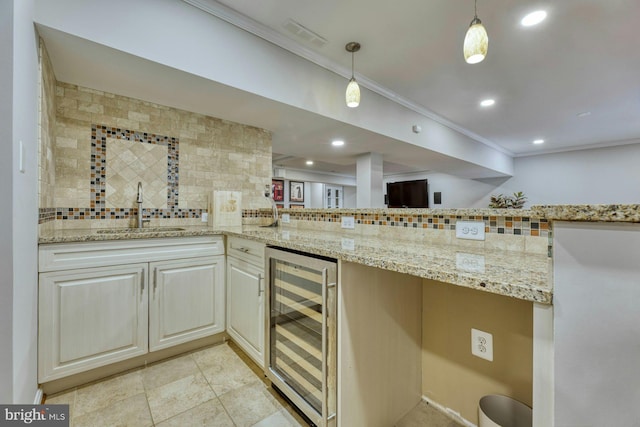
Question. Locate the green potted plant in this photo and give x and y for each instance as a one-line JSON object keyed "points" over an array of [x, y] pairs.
{"points": [[515, 201]]}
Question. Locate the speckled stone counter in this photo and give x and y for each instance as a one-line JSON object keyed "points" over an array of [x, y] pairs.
{"points": [[513, 274], [590, 213]]}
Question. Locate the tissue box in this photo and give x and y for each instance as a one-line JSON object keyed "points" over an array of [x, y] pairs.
{"points": [[225, 209]]}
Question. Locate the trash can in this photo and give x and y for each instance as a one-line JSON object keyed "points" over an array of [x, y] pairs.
{"points": [[502, 411]]}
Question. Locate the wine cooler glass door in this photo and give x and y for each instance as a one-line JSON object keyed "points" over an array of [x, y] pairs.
{"points": [[301, 354]]}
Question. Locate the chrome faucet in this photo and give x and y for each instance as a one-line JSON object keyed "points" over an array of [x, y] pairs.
{"points": [[140, 221]]}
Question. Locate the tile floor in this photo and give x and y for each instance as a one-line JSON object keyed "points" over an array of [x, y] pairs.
{"points": [[217, 386]]}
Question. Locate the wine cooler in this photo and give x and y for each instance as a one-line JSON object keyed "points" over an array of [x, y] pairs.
{"points": [[301, 331]]}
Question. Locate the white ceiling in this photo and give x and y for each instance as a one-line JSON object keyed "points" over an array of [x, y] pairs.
{"points": [[584, 57]]}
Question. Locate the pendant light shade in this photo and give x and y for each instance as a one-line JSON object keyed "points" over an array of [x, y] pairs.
{"points": [[352, 95], [476, 42]]}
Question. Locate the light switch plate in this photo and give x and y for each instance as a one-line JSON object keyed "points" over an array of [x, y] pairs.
{"points": [[471, 230], [204, 217], [348, 222]]}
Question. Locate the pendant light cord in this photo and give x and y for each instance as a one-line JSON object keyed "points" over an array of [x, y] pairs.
{"points": [[352, 66], [475, 9]]}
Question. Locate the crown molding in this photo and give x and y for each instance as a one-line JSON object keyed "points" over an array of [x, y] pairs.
{"points": [[595, 146], [256, 28]]}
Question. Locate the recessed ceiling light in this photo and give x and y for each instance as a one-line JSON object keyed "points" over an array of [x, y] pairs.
{"points": [[337, 143], [533, 18], [487, 102], [584, 114], [309, 162], [538, 141]]}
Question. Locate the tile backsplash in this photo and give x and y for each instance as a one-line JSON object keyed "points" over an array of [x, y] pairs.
{"points": [[96, 146]]}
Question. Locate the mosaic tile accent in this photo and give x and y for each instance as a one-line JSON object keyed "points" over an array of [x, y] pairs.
{"points": [[123, 213], [99, 136], [46, 215], [515, 225]]}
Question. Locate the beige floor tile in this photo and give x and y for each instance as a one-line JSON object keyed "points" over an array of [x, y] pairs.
{"points": [[163, 373], [179, 396], [426, 415], [105, 393], [66, 398], [280, 419], [210, 413], [231, 375], [130, 412], [218, 355], [249, 404]]}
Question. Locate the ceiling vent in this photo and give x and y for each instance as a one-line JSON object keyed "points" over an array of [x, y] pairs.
{"points": [[304, 33]]}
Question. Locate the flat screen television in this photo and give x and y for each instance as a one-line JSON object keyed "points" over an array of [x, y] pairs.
{"points": [[408, 194]]}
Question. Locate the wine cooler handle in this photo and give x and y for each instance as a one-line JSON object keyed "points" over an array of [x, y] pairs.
{"points": [[260, 289], [325, 346]]}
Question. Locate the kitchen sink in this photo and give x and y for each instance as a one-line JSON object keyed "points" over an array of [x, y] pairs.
{"points": [[138, 230]]}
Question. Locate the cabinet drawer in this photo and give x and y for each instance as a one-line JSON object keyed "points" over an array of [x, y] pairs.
{"points": [[65, 256], [249, 250]]}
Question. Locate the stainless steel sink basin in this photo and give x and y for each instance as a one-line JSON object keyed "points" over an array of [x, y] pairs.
{"points": [[138, 230]]}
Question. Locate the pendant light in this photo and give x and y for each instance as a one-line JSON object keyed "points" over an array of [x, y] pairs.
{"points": [[476, 42], [353, 90]]}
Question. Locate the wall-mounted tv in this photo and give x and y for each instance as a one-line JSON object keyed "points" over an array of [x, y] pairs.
{"points": [[408, 194]]}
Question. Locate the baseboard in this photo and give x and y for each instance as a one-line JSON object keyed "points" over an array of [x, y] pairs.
{"points": [[449, 412], [39, 397]]}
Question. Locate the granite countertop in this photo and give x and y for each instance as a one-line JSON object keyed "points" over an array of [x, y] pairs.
{"points": [[513, 274]]}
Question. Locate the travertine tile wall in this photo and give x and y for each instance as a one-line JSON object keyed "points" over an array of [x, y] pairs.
{"points": [[46, 153], [94, 179]]}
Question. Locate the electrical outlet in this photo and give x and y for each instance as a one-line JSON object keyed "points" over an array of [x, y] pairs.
{"points": [[472, 230], [286, 219], [204, 217], [482, 344], [348, 222], [348, 244], [470, 262]]}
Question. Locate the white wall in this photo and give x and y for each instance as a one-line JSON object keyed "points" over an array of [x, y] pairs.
{"points": [[596, 318], [6, 193], [316, 195], [349, 194], [19, 194], [25, 204], [600, 175]]}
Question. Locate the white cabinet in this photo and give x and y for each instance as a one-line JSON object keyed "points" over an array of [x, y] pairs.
{"points": [[185, 301], [245, 296], [104, 302], [91, 317]]}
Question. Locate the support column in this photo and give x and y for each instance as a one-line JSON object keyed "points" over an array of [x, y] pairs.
{"points": [[369, 181]]}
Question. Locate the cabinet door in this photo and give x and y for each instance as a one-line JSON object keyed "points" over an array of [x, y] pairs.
{"points": [[245, 307], [90, 318], [186, 300]]}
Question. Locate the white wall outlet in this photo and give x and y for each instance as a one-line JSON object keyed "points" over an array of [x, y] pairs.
{"points": [[204, 217], [472, 230], [348, 244], [470, 262], [286, 219], [482, 344], [348, 222]]}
